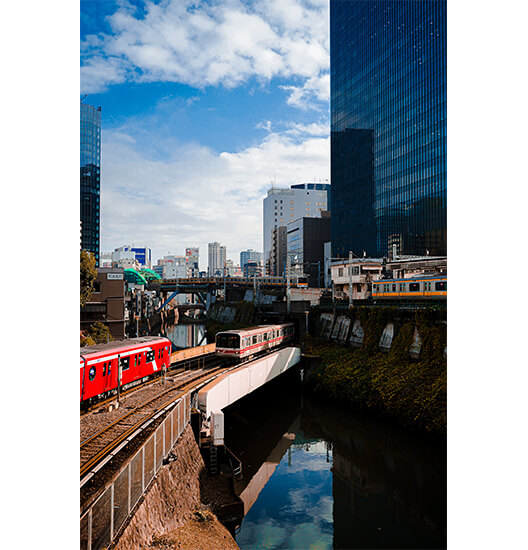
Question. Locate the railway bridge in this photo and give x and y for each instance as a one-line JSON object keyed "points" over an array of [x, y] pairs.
{"points": [[126, 464]]}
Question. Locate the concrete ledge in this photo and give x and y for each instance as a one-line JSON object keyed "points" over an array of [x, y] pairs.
{"points": [[235, 384]]}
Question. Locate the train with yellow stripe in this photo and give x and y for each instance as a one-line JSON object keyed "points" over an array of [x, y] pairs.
{"points": [[424, 288]]}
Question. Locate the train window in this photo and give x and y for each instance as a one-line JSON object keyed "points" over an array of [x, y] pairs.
{"points": [[228, 340], [254, 339], [150, 356], [91, 373], [135, 361], [265, 337], [441, 285], [414, 287], [109, 367], [393, 288], [125, 362]]}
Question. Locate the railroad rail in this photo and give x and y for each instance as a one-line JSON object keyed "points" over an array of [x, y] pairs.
{"points": [[104, 444]]}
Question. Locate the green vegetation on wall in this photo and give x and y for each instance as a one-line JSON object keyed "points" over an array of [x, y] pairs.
{"points": [[413, 391]]}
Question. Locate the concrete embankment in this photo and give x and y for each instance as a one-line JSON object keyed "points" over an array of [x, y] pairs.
{"points": [[383, 360], [172, 514]]}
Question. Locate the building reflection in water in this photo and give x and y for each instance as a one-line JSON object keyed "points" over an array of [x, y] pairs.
{"points": [[315, 474]]}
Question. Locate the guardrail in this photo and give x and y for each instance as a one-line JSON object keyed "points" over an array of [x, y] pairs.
{"points": [[102, 521]]}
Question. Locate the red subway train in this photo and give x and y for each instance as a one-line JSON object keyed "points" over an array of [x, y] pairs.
{"points": [[244, 343], [139, 358]]}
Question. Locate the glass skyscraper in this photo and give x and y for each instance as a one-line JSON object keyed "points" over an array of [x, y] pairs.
{"points": [[90, 178], [388, 127]]}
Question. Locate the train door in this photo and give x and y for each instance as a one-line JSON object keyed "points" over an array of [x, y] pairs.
{"points": [[82, 367], [107, 374]]}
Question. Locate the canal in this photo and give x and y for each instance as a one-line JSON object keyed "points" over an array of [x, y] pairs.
{"points": [[320, 476]]}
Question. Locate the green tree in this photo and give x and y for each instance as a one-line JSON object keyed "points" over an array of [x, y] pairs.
{"points": [[88, 275], [86, 340], [99, 333]]}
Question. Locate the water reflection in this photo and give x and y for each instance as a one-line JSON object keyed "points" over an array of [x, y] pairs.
{"points": [[343, 481]]}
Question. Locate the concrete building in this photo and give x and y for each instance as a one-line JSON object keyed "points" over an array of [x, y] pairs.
{"points": [[172, 267], [360, 272], [277, 257], [283, 205], [193, 261], [217, 255], [174, 271], [142, 256], [404, 267], [105, 259], [305, 248], [107, 302]]}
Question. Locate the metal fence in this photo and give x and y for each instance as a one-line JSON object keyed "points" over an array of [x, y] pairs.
{"points": [[103, 520]]}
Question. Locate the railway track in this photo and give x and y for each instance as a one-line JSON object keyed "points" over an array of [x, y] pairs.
{"points": [[109, 440], [206, 361]]}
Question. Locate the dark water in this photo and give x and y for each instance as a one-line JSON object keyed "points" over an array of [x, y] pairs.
{"points": [[318, 476]]}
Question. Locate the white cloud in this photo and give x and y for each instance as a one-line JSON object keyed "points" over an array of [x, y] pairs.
{"points": [[198, 196], [223, 42], [315, 88]]}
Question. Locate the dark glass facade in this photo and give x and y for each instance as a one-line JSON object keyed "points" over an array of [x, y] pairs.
{"points": [[90, 178], [388, 127]]}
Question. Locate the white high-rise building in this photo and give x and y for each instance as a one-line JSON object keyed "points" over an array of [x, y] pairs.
{"points": [[282, 206], [217, 255]]}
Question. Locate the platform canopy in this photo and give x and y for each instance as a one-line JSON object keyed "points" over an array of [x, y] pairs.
{"points": [[133, 276], [149, 274]]}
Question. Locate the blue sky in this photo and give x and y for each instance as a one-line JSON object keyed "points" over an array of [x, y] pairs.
{"points": [[204, 105]]}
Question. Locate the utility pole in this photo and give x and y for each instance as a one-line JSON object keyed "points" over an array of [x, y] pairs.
{"points": [[350, 278], [288, 292], [119, 376]]}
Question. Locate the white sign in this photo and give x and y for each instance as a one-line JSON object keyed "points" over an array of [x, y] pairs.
{"points": [[114, 276]]}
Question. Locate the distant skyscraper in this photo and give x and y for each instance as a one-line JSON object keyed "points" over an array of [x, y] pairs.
{"points": [[249, 255], [217, 255], [283, 206], [90, 178], [388, 133]]}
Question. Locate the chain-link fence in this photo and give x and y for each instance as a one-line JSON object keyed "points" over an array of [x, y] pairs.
{"points": [[103, 520]]}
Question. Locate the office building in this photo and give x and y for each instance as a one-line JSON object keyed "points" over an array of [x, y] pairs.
{"points": [[277, 257], [305, 248], [282, 206], [388, 127], [217, 255], [107, 302], [90, 173], [250, 255], [142, 256]]}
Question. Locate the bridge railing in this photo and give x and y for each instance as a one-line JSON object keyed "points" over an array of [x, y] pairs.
{"points": [[190, 353], [103, 520]]}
